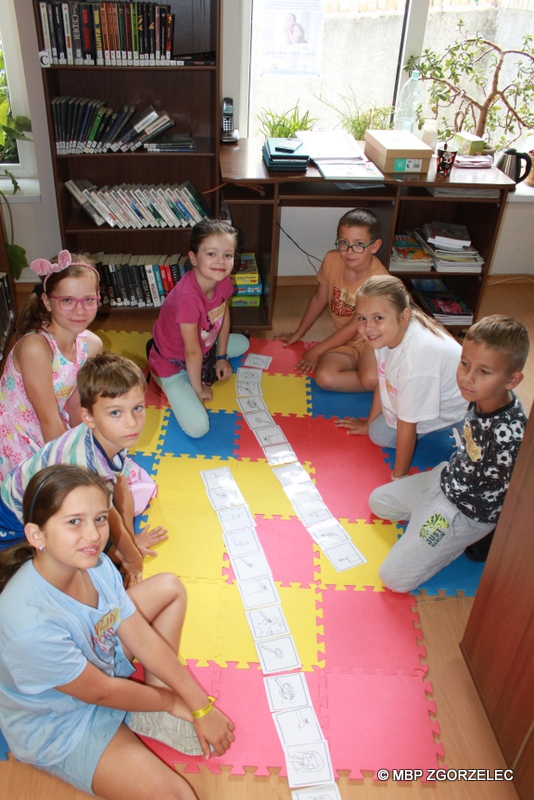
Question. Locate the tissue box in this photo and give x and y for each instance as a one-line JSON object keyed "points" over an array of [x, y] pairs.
{"points": [[397, 151], [467, 144]]}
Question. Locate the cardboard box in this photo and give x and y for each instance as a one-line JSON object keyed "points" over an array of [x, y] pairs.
{"points": [[246, 270], [467, 144], [397, 151], [244, 300]]}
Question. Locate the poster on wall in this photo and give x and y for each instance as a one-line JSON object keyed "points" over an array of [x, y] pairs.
{"points": [[292, 36]]}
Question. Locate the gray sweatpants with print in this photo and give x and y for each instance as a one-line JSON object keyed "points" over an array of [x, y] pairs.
{"points": [[437, 531]]}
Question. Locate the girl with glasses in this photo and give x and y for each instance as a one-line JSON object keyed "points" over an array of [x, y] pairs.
{"points": [[343, 362]]}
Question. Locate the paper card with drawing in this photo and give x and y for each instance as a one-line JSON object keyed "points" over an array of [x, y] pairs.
{"points": [[267, 622], [247, 388], [235, 519], [311, 513], [287, 691], [256, 360], [301, 493], [345, 556], [279, 454], [328, 533], [225, 497], [308, 764], [272, 435], [242, 543], [290, 474], [216, 478], [259, 593], [298, 726], [327, 792], [253, 565], [278, 655], [249, 405], [244, 374], [259, 419]]}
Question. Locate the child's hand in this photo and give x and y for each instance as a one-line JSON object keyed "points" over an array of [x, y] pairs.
{"points": [[353, 425], [133, 570], [223, 369], [148, 537], [287, 338], [205, 393], [214, 729], [308, 362]]}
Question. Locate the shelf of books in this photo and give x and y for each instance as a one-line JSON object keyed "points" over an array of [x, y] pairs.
{"points": [[132, 95]]}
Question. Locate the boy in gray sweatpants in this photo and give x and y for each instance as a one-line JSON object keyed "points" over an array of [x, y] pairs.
{"points": [[459, 501]]}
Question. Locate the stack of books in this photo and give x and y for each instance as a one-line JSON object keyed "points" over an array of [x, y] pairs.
{"points": [[85, 125], [285, 155], [108, 34], [407, 255], [247, 281], [7, 311], [450, 247], [445, 306], [140, 205], [171, 142], [143, 281]]}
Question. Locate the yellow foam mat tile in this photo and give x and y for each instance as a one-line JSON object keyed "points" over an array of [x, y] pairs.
{"points": [[130, 345], [204, 619], [282, 394], [234, 639], [151, 439], [375, 540]]}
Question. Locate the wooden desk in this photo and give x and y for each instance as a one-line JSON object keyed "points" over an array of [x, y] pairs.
{"points": [[256, 196]]}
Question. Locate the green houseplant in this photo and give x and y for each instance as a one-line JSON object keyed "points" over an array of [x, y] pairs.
{"points": [[284, 125], [469, 93], [356, 119]]}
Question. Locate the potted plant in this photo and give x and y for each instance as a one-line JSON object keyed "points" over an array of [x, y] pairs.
{"points": [[356, 119], [468, 91], [11, 130], [286, 124]]}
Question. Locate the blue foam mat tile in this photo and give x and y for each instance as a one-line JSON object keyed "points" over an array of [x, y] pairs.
{"points": [[430, 450], [147, 462], [338, 404], [462, 575], [4, 749], [219, 441]]}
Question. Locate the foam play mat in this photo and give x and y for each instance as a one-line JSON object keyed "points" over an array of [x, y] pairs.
{"points": [[354, 646]]}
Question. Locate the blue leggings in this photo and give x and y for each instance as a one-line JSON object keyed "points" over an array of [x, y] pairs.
{"points": [[188, 409]]}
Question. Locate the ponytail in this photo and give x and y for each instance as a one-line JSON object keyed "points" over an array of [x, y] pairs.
{"points": [[12, 559]]}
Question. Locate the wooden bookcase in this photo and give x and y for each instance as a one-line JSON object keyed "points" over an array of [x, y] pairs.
{"points": [[7, 324], [256, 197], [190, 94]]}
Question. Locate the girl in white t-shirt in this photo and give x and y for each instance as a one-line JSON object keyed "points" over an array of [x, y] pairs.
{"points": [[417, 361], [68, 633]]}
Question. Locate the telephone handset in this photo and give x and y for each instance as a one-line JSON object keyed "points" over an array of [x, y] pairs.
{"points": [[228, 132]]}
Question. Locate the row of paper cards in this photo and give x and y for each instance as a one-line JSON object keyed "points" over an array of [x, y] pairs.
{"points": [[305, 748]]}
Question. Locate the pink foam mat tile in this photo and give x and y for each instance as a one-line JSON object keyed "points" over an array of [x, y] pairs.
{"points": [[289, 551], [375, 720], [371, 630], [284, 358]]}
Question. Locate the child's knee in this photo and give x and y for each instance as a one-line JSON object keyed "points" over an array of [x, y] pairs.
{"points": [[378, 504], [325, 378], [196, 427], [393, 578], [172, 587]]}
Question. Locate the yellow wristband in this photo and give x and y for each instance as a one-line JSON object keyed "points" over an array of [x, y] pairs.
{"points": [[203, 711]]}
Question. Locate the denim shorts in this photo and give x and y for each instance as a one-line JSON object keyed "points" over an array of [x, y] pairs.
{"points": [[79, 767]]}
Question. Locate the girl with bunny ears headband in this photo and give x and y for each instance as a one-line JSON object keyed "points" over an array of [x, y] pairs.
{"points": [[38, 395]]}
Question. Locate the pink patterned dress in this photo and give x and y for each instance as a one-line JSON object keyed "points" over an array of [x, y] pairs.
{"points": [[20, 431]]}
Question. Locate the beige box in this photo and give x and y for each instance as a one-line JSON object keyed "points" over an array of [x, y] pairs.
{"points": [[397, 151]]}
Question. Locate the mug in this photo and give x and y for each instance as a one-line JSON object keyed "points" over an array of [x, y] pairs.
{"points": [[445, 162]]}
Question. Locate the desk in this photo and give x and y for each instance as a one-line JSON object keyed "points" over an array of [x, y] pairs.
{"points": [[256, 196]]}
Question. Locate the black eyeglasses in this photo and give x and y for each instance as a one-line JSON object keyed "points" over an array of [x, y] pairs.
{"points": [[343, 246]]}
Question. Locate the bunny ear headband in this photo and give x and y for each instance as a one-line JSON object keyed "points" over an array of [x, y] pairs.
{"points": [[43, 267]]}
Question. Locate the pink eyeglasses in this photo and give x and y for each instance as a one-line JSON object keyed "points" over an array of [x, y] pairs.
{"points": [[89, 303]]}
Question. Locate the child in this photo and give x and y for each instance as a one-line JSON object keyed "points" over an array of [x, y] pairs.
{"points": [[112, 398], [38, 397], [68, 632], [194, 324], [343, 362], [417, 360], [459, 502]]}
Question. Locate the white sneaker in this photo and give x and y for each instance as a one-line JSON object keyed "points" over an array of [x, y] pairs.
{"points": [[176, 732]]}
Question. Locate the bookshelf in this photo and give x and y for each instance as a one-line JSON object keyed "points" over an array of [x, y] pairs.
{"points": [[256, 197], [191, 96], [7, 300]]}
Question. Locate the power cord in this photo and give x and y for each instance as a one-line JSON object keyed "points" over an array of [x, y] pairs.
{"points": [[309, 256]]}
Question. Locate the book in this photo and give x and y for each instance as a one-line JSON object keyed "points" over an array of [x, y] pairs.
{"points": [[197, 199], [121, 278], [446, 307], [68, 33], [158, 277], [447, 234], [156, 299], [245, 271], [141, 271], [280, 149], [88, 207], [169, 36], [349, 171], [408, 255], [97, 31], [115, 297], [136, 280], [242, 300], [45, 27], [173, 264], [87, 33], [75, 28], [136, 124], [52, 32], [171, 141], [57, 14]]}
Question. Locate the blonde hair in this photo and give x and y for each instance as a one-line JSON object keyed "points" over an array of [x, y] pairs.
{"points": [[505, 334], [395, 292], [34, 314]]}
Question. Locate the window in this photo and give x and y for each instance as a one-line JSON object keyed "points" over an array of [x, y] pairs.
{"points": [[24, 167]]}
